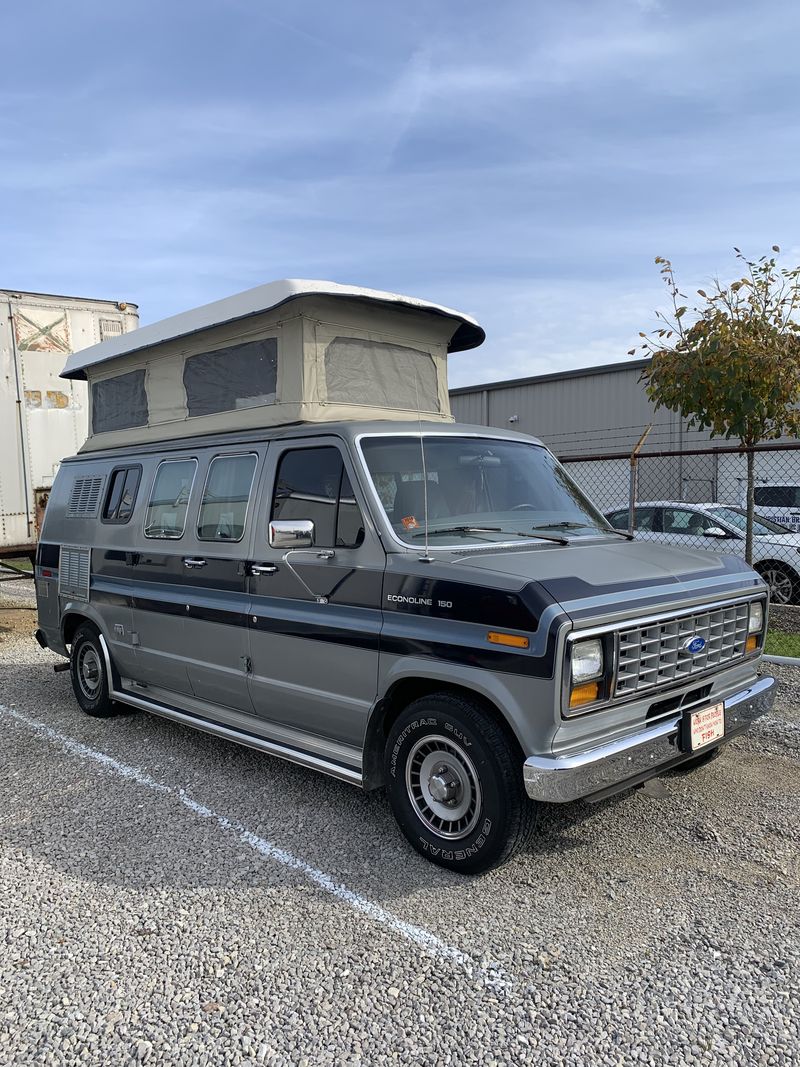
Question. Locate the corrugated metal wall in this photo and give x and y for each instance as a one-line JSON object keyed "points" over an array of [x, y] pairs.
{"points": [[596, 412]]}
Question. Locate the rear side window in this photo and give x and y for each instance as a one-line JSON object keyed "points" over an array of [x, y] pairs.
{"points": [[169, 500], [223, 509], [312, 483], [119, 403], [121, 496], [233, 378], [776, 496]]}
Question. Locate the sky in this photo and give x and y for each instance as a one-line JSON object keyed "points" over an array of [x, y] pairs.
{"points": [[523, 161]]}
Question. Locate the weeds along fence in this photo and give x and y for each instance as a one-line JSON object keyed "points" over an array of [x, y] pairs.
{"points": [[697, 498]]}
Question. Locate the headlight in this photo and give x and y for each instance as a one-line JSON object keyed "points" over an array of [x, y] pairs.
{"points": [[587, 660], [756, 623]]}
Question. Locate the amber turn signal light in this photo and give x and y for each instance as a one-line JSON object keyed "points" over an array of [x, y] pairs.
{"points": [[752, 643], [512, 640], [584, 694]]}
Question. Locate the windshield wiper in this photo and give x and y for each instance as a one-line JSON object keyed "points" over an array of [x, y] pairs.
{"points": [[565, 526], [582, 526], [489, 529], [459, 529]]}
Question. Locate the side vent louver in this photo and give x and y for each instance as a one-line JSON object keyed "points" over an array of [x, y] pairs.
{"points": [[73, 573], [110, 328], [84, 497]]}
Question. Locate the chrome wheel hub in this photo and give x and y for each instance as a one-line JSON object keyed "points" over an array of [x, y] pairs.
{"points": [[443, 787], [89, 672]]}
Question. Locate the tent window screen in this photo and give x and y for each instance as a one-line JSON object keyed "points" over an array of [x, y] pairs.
{"points": [[380, 374], [229, 379], [223, 509], [119, 403]]}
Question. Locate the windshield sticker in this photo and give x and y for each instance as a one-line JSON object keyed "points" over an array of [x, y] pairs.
{"points": [[409, 522]]}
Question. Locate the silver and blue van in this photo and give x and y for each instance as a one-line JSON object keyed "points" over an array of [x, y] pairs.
{"points": [[275, 533]]}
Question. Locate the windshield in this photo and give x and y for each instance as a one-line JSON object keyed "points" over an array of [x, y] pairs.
{"points": [[478, 490], [761, 527]]}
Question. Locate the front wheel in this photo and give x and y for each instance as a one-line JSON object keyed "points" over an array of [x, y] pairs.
{"points": [[455, 784], [782, 582], [88, 672]]}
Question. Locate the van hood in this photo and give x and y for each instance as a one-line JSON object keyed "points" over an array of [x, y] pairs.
{"points": [[582, 570]]}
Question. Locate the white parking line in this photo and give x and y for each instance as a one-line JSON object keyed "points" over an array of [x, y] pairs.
{"points": [[486, 974]]}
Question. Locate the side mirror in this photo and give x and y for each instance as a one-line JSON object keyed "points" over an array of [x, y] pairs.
{"points": [[715, 531], [291, 533]]}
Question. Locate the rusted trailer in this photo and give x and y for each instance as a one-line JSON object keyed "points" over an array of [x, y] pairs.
{"points": [[43, 417]]}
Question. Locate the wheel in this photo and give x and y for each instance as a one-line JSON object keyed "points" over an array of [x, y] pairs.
{"points": [[455, 784], [782, 582], [88, 672]]}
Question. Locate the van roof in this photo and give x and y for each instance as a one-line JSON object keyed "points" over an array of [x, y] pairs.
{"points": [[348, 430], [469, 334]]}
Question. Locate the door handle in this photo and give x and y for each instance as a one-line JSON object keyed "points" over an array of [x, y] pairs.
{"points": [[192, 563], [263, 568]]}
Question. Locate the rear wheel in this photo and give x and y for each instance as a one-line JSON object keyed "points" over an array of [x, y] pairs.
{"points": [[454, 781], [89, 674], [782, 581]]}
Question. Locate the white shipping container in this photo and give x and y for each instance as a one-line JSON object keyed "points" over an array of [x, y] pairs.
{"points": [[43, 417]]}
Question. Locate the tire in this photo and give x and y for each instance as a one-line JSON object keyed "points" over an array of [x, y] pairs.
{"points": [[87, 668], [449, 744], [783, 583]]}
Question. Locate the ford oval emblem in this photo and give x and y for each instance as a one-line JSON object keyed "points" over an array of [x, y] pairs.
{"points": [[693, 645]]}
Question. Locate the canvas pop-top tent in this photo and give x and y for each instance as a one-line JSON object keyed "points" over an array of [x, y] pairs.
{"points": [[289, 351]]}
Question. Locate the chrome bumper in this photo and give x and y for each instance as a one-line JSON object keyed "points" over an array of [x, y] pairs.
{"points": [[559, 779]]}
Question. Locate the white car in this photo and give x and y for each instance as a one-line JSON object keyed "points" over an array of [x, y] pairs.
{"points": [[720, 528]]}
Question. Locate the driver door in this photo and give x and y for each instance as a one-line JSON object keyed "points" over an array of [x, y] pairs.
{"points": [[315, 613]]}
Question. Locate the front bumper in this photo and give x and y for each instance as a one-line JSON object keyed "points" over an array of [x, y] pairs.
{"points": [[598, 772]]}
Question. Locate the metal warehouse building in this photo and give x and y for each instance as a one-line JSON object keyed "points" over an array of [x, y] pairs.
{"points": [[593, 418]]}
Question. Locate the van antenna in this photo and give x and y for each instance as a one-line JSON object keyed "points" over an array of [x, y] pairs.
{"points": [[427, 558]]}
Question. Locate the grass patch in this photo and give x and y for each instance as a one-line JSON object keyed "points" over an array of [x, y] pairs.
{"points": [[779, 643], [21, 564]]}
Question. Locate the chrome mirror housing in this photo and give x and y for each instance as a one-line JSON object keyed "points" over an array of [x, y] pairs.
{"points": [[291, 533]]}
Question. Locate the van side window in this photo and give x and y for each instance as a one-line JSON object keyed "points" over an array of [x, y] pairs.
{"points": [[121, 496], [776, 496], [312, 483], [223, 508], [169, 500]]}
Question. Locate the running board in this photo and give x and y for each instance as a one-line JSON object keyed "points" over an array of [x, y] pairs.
{"points": [[271, 748]]}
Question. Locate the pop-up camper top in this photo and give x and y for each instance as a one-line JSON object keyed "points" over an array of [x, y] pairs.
{"points": [[289, 351]]}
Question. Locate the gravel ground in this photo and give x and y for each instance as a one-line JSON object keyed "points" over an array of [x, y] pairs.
{"points": [[286, 921]]}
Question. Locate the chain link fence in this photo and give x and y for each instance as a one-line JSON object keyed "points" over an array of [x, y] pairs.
{"points": [[697, 498]]}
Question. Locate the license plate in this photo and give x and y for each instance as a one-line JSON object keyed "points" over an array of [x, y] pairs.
{"points": [[705, 727]]}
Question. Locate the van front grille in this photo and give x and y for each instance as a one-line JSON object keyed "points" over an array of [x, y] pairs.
{"points": [[656, 654]]}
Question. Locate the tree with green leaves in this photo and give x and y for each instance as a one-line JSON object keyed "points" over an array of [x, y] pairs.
{"points": [[731, 362]]}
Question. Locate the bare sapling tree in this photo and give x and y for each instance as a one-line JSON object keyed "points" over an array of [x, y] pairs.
{"points": [[731, 362]]}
